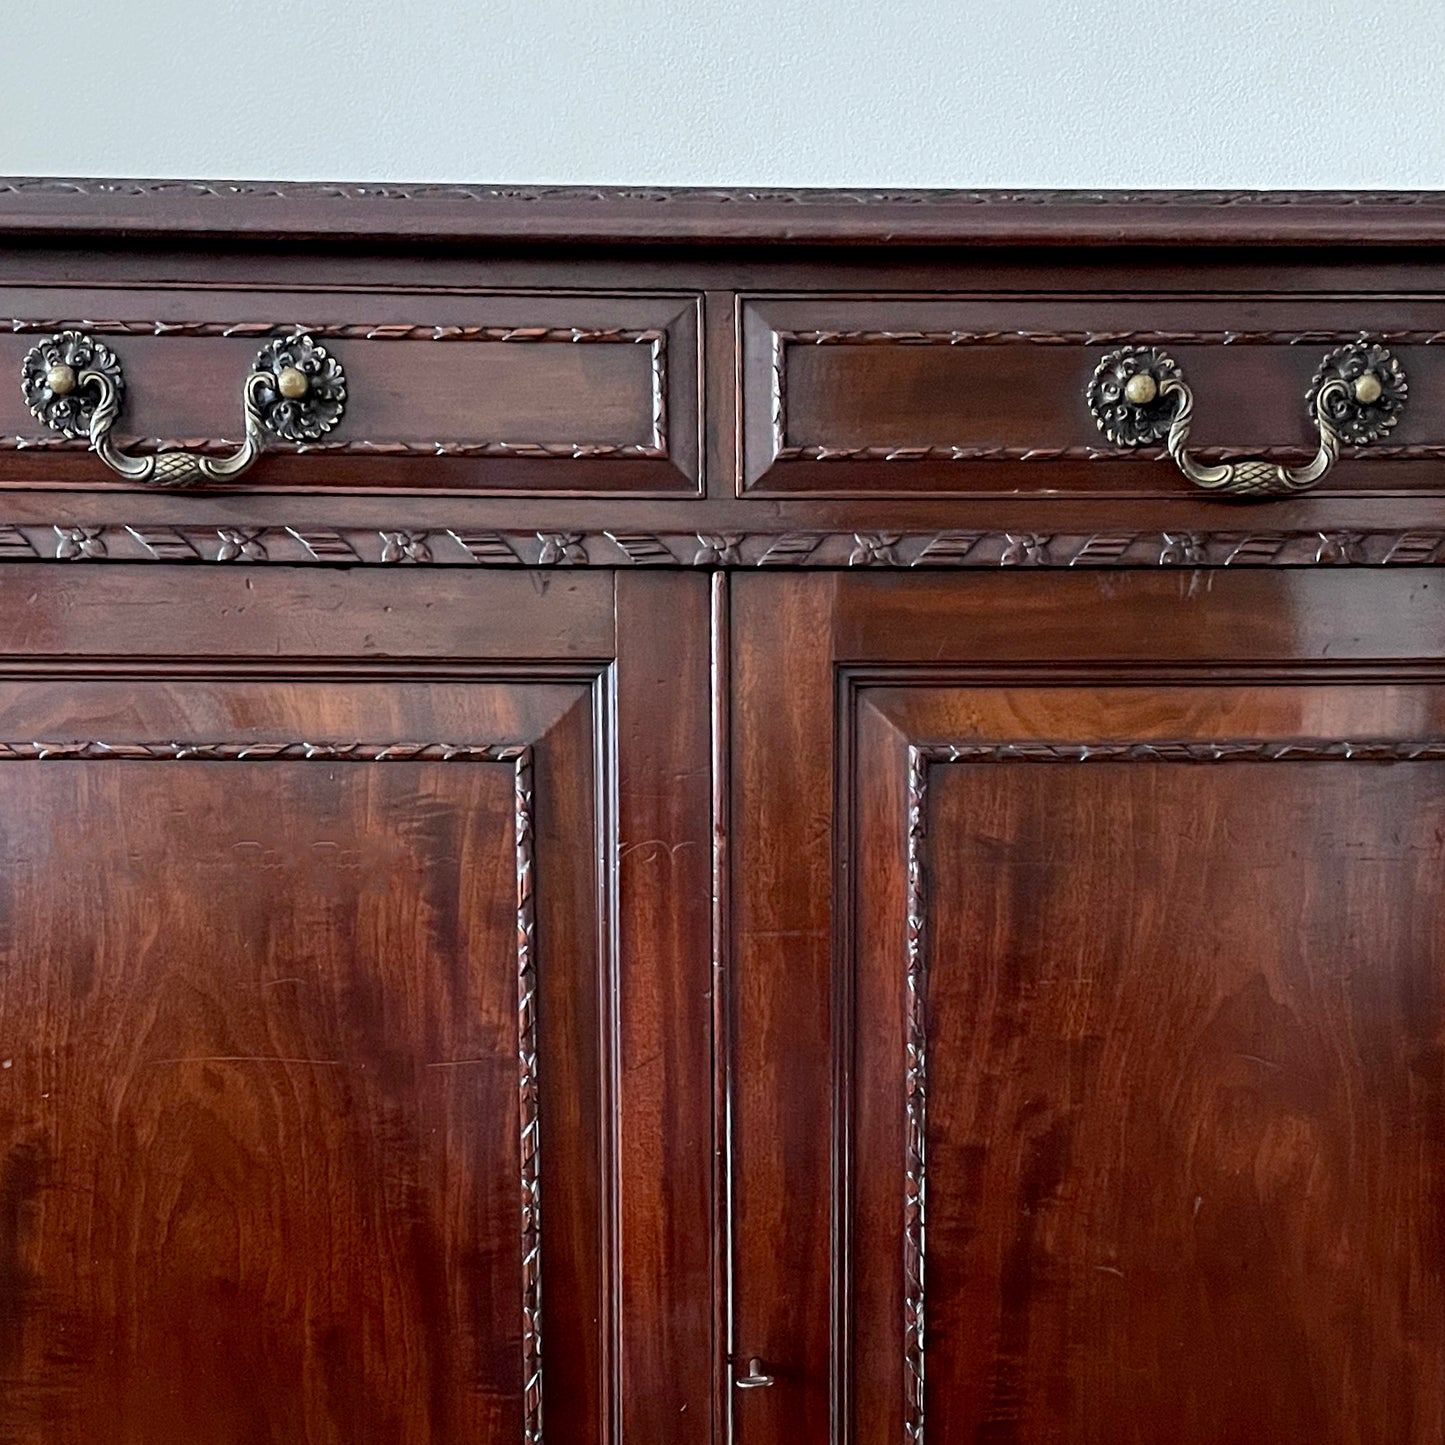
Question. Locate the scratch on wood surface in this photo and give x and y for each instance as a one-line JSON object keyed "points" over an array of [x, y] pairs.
{"points": [[251, 1059]]}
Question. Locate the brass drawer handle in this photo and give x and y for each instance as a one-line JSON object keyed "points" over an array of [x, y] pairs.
{"points": [[296, 391], [1138, 396]]}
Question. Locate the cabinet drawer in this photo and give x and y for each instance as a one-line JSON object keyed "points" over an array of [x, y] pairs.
{"points": [[899, 397], [496, 393]]}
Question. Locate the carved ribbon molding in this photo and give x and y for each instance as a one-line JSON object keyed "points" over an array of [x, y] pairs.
{"points": [[524, 844], [921, 760]]}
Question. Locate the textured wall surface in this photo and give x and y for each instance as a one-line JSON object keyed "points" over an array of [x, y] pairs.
{"points": [[731, 92]]}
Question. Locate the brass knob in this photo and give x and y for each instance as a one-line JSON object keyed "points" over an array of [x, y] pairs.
{"points": [[1368, 389], [292, 383], [1141, 388], [61, 379]]}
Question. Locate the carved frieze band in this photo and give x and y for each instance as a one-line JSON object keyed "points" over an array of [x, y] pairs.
{"points": [[823, 452], [524, 844], [472, 547], [653, 338], [921, 757]]}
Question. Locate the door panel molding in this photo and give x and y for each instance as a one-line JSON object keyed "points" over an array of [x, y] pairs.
{"points": [[518, 757], [922, 759]]}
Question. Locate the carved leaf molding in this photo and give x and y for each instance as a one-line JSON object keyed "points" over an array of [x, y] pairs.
{"points": [[474, 547]]}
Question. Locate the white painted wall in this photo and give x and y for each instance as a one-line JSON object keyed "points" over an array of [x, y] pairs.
{"points": [[731, 92]]}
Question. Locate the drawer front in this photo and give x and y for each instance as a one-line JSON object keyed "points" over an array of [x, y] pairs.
{"points": [[901, 397], [496, 393]]}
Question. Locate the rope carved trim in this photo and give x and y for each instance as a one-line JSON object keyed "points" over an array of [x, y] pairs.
{"points": [[921, 759]]}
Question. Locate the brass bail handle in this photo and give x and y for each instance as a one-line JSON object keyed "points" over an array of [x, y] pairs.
{"points": [[1139, 397], [295, 391]]}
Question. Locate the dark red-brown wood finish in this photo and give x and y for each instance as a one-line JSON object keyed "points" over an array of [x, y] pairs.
{"points": [[1100, 918], [318, 908], [715, 862]]}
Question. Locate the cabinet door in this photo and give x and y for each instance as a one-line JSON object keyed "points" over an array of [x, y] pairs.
{"points": [[353, 1007], [1089, 1008]]}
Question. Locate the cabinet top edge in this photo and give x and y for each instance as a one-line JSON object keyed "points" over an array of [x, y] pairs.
{"points": [[398, 213]]}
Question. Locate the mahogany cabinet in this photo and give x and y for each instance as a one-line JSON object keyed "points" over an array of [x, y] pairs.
{"points": [[633, 817]]}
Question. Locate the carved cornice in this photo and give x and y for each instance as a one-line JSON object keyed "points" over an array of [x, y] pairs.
{"points": [[411, 212], [379, 191], [471, 547], [921, 759], [519, 755]]}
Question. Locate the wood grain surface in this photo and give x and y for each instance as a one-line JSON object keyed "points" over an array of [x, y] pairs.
{"points": [[314, 1095], [1113, 970]]}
